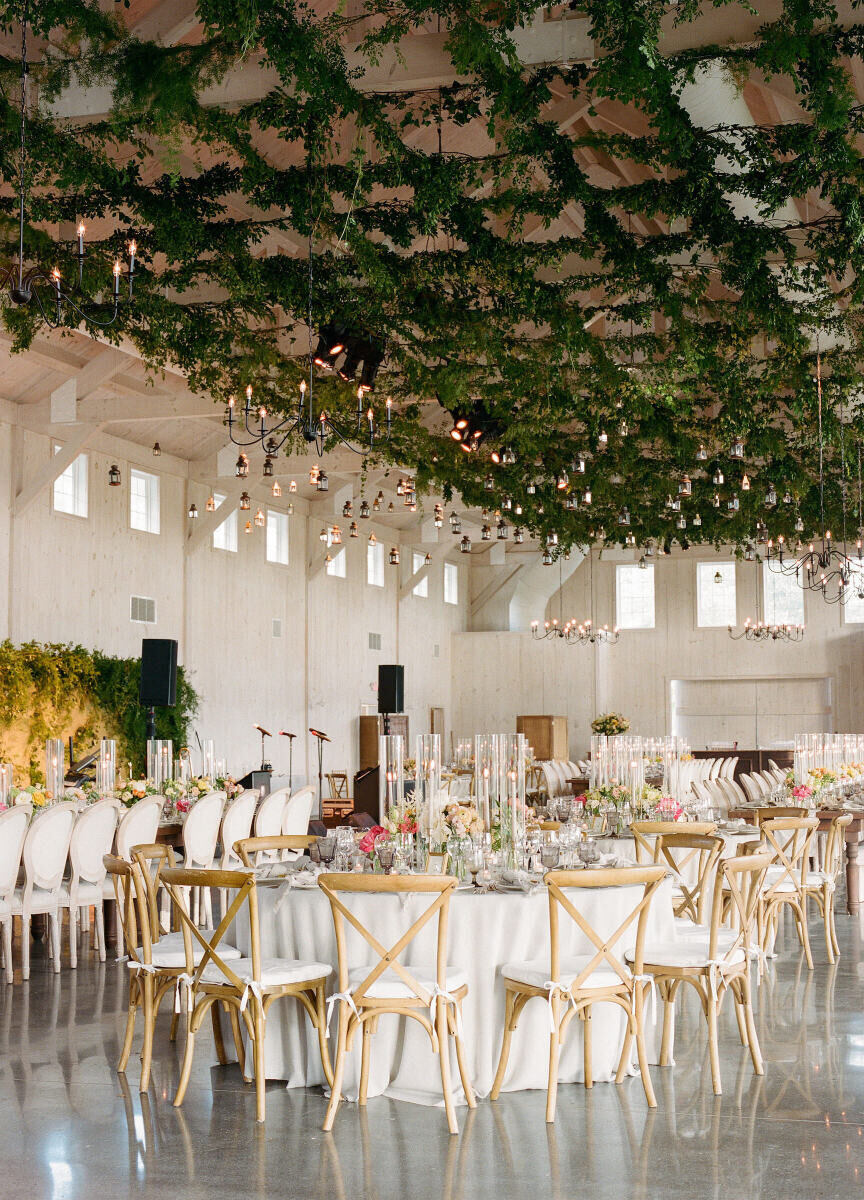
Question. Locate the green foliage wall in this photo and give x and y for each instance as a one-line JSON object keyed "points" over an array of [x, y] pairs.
{"points": [[59, 690]]}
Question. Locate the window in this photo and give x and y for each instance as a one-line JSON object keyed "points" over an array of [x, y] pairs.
{"points": [[418, 561], [783, 598], [375, 564], [336, 565], [451, 583], [277, 537], [634, 597], [853, 609], [70, 488], [144, 501], [715, 595], [225, 535]]}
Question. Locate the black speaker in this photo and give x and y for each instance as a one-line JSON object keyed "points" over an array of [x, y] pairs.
{"points": [[391, 689], [158, 687]]}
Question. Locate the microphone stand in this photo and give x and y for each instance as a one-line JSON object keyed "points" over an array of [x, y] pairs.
{"points": [[291, 737]]}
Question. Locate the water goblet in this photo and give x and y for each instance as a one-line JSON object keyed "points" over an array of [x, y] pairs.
{"points": [[550, 852], [314, 852], [386, 852], [474, 862], [327, 849], [588, 852]]}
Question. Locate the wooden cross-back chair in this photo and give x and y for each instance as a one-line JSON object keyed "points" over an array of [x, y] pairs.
{"points": [[716, 963], [645, 834], [788, 841], [249, 850], [247, 986], [338, 781], [821, 885], [690, 855], [771, 813], [582, 981], [431, 994]]}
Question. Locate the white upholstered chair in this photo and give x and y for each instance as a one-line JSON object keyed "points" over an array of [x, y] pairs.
{"points": [[13, 830], [92, 838], [46, 848]]}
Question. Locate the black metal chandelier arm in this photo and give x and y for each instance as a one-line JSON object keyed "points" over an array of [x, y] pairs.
{"points": [[279, 434], [62, 298], [325, 424]]}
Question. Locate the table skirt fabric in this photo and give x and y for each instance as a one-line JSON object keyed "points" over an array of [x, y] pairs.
{"points": [[485, 931]]}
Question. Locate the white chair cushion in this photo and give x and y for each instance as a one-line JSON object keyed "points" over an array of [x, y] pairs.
{"points": [[787, 887], [169, 951], [41, 901], [536, 974], [688, 931], [88, 893], [389, 985], [5, 909], [274, 971], [685, 953]]}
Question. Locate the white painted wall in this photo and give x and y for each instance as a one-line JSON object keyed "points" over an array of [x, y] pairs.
{"points": [[70, 580], [499, 675]]}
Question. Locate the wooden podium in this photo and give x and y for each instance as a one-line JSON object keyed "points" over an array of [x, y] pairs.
{"points": [[371, 729]]}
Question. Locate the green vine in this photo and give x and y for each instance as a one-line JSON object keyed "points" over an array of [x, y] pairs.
{"points": [[623, 283], [43, 685]]}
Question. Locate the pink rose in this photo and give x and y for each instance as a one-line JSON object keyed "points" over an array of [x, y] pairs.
{"points": [[802, 792], [369, 840]]}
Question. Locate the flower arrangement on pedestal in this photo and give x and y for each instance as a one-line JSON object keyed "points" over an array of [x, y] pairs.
{"points": [[404, 820], [610, 724]]}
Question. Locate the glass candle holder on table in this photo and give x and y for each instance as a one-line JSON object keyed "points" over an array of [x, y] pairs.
{"points": [[106, 767], [6, 779], [55, 767]]}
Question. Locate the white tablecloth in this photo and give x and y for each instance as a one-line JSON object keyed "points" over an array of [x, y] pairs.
{"points": [[485, 932]]}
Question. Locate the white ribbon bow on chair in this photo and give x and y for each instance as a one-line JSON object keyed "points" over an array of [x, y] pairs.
{"points": [[714, 974], [448, 998], [652, 984], [551, 986], [333, 1000], [252, 988], [184, 984], [138, 967]]}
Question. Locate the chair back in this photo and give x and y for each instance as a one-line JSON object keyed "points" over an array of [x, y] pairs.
{"points": [[338, 781], [92, 838], [835, 846], [739, 881], [297, 811], [771, 813], [252, 850], [236, 825], [339, 888], [13, 830], [132, 907], [268, 818], [239, 889], [606, 953], [647, 851], [692, 857], [754, 792], [201, 829], [152, 860], [46, 846], [138, 824], [788, 840]]}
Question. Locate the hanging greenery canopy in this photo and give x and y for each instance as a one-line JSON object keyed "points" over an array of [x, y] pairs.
{"points": [[560, 244]]}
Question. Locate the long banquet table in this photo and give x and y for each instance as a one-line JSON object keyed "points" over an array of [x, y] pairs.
{"points": [[485, 932]]}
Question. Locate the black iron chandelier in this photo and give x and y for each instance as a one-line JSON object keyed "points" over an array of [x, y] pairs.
{"points": [[23, 282], [824, 567], [572, 632]]}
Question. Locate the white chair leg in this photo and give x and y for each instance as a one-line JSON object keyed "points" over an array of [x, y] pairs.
{"points": [[85, 919], [73, 934], [99, 914], [25, 947], [56, 918], [7, 949]]}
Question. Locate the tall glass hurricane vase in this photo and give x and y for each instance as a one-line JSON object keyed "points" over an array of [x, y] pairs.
{"points": [[487, 776], [106, 767], [427, 783], [160, 761], [391, 788], [55, 767], [511, 810]]}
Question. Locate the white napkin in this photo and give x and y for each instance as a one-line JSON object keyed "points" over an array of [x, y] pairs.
{"points": [[304, 879], [611, 860]]}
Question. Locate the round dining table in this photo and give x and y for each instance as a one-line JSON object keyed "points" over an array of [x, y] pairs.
{"points": [[485, 931]]}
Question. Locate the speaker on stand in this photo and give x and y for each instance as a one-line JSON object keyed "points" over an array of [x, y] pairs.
{"points": [[391, 691], [158, 686]]}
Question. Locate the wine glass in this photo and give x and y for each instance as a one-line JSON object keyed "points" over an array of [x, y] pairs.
{"points": [[474, 862], [385, 852], [588, 851], [327, 849], [550, 852]]}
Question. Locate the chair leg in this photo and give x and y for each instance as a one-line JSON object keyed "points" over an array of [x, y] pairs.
{"points": [[365, 1049], [805, 936], [711, 1009], [444, 1059], [7, 949], [73, 936], [552, 1083], [99, 917], [320, 1011], [644, 1069], [587, 1047], [668, 1043], [739, 1016], [827, 913], [217, 1034], [186, 1069], [132, 1009], [25, 947], [836, 944], [55, 921], [752, 1039], [470, 1098], [509, 1009], [234, 1017], [259, 1060], [339, 1068], [149, 1023]]}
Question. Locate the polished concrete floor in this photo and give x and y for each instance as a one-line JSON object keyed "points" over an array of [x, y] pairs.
{"points": [[71, 1127]]}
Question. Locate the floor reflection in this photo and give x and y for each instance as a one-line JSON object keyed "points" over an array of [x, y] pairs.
{"points": [[78, 1128]]}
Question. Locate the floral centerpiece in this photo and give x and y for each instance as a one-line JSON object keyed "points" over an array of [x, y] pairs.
{"points": [[404, 820], [610, 724], [369, 842], [821, 777], [34, 793], [610, 795], [803, 793], [134, 790], [228, 785]]}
